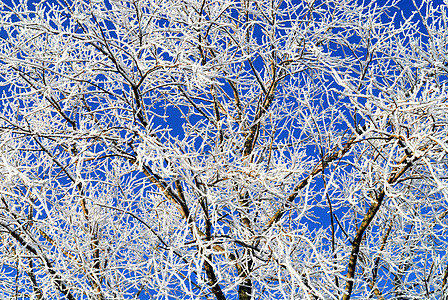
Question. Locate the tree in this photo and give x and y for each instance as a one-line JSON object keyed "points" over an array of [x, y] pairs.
{"points": [[225, 149]]}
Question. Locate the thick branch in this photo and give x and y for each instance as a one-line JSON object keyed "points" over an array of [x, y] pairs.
{"points": [[368, 218], [318, 169], [60, 284]]}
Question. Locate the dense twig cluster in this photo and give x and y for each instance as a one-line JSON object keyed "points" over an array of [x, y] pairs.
{"points": [[224, 149]]}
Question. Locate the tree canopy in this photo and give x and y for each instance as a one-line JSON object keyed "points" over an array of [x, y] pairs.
{"points": [[223, 149]]}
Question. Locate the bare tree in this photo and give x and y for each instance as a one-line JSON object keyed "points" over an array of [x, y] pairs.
{"points": [[250, 149]]}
